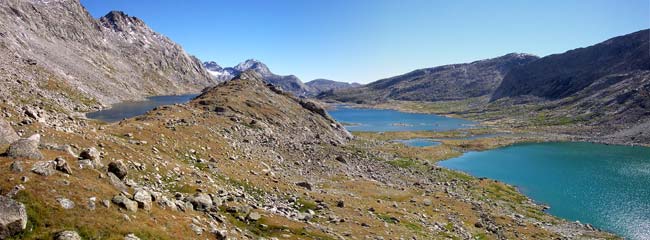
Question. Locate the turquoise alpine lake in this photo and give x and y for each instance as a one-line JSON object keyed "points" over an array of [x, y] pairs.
{"points": [[123, 110], [381, 120], [607, 186]]}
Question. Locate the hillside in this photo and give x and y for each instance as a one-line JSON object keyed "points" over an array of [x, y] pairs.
{"points": [[319, 86], [56, 56], [561, 75], [247, 160], [449, 82]]}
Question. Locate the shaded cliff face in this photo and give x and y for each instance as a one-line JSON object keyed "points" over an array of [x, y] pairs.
{"points": [[561, 75], [449, 82], [73, 62]]}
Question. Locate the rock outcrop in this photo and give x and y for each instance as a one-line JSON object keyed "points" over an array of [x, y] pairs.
{"points": [[7, 133], [13, 217], [26, 148]]}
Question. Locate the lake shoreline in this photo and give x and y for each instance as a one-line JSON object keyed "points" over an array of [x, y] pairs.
{"points": [[576, 133]]}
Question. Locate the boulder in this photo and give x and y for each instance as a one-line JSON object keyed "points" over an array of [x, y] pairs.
{"points": [[90, 153], [117, 183], [201, 201], [118, 168], [65, 203], [16, 166], [125, 203], [131, 236], [143, 198], [13, 217], [309, 186], [45, 168], [254, 216], [67, 235], [61, 165], [7, 133], [26, 148]]}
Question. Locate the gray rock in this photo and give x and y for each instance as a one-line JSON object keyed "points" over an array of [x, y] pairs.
{"points": [[341, 159], [17, 166], [67, 235], [196, 228], [117, 183], [131, 236], [7, 133], [164, 202], [90, 153], [143, 198], [61, 165], [13, 217], [254, 216], [65, 203], [427, 202], [220, 234], [309, 186], [25, 148], [45, 168], [125, 203], [201, 201], [118, 168]]}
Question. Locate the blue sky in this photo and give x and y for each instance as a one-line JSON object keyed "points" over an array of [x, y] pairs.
{"points": [[366, 40]]}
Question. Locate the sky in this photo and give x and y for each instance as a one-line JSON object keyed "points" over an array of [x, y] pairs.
{"points": [[367, 40]]}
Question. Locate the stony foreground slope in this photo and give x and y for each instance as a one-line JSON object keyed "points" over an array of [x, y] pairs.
{"points": [[243, 161], [58, 58]]}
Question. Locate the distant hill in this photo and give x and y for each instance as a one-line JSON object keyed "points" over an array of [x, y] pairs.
{"points": [[324, 85], [449, 82], [561, 75]]}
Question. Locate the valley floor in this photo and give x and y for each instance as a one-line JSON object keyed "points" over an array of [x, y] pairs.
{"points": [[245, 170]]}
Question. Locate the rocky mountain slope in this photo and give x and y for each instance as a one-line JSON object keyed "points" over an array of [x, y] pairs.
{"points": [[325, 85], [449, 82], [245, 160], [56, 56], [562, 75], [605, 87], [289, 83]]}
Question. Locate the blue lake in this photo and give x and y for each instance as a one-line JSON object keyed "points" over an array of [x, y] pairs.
{"points": [[123, 110], [380, 120], [604, 185]]}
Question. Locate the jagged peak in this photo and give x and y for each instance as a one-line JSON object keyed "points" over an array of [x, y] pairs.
{"points": [[253, 64], [119, 20], [212, 65]]}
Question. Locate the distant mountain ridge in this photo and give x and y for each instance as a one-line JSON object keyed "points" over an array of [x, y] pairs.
{"points": [[323, 85], [288, 83], [448, 82], [561, 75]]}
